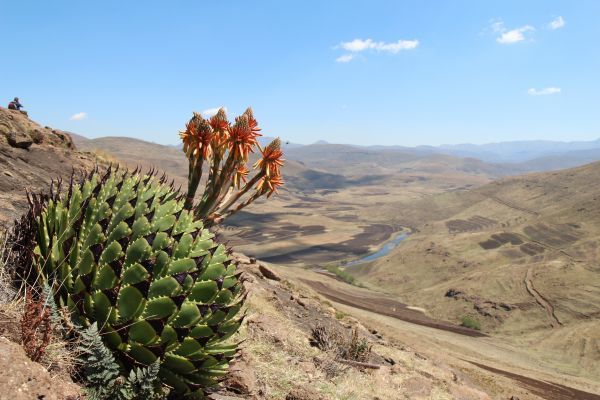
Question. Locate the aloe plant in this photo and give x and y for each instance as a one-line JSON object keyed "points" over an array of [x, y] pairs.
{"points": [[119, 250], [128, 254]]}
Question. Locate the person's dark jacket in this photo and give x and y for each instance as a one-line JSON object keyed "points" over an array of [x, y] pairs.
{"points": [[15, 105]]}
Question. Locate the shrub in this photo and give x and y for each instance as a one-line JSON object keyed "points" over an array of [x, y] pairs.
{"points": [[342, 274], [470, 322]]}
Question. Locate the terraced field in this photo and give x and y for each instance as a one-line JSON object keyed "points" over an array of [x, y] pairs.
{"points": [[474, 224]]}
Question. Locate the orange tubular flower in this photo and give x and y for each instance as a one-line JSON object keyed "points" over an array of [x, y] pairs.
{"points": [[239, 176], [269, 184], [219, 121], [271, 160], [197, 138], [251, 120], [242, 138], [188, 137]]}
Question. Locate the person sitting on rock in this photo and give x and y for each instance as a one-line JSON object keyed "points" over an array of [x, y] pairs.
{"points": [[15, 105]]}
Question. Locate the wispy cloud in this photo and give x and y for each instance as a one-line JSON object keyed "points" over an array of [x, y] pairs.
{"points": [[345, 58], [543, 92], [212, 111], [78, 116], [358, 45], [557, 23], [510, 36], [361, 45]]}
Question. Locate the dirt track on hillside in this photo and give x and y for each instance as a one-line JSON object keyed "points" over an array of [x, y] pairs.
{"points": [[546, 390], [387, 306]]}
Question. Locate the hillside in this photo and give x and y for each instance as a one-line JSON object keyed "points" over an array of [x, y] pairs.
{"points": [[519, 254]]}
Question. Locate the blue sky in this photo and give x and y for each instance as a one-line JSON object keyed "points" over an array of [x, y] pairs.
{"points": [[415, 72]]}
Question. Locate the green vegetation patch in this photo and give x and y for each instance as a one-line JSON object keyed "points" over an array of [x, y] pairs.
{"points": [[470, 322], [342, 274]]}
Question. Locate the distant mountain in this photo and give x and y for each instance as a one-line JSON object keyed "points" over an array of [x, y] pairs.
{"points": [[517, 151]]}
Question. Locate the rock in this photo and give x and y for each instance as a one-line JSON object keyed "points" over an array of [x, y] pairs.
{"points": [[19, 139], [240, 258], [24, 379], [267, 273], [453, 293], [241, 378]]}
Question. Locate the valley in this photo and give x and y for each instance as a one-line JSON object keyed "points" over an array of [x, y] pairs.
{"points": [[430, 240]]}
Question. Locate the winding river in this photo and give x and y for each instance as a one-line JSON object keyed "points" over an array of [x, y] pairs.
{"points": [[383, 251]]}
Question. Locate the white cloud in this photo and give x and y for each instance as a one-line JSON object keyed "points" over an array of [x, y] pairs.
{"points": [[557, 23], [358, 45], [212, 111], [543, 92], [345, 58], [78, 116], [514, 35]]}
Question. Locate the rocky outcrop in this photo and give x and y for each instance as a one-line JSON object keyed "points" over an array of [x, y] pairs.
{"points": [[30, 157], [19, 131]]}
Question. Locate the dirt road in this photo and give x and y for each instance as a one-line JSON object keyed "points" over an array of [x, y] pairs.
{"points": [[546, 390], [389, 307]]}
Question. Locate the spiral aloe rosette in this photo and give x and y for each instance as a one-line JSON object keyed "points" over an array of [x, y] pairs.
{"points": [[121, 251]]}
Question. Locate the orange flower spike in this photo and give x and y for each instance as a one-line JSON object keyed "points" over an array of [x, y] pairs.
{"points": [[189, 136], [271, 160], [219, 121], [251, 120], [269, 184], [204, 139], [241, 138]]}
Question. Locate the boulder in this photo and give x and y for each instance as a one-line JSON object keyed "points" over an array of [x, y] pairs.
{"points": [[19, 139], [24, 379]]}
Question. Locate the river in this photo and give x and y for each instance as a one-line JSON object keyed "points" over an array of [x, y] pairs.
{"points": [[384, 250]]}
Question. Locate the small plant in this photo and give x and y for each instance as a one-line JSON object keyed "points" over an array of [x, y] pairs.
{"points": [[103, 373], [340, 314], [326, 338], [470, 322], [357, 349], [36, 329], [222, 149], [332, 341]]}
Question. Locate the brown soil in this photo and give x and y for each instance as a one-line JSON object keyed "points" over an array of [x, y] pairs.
{"points": [[388, 307]]}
